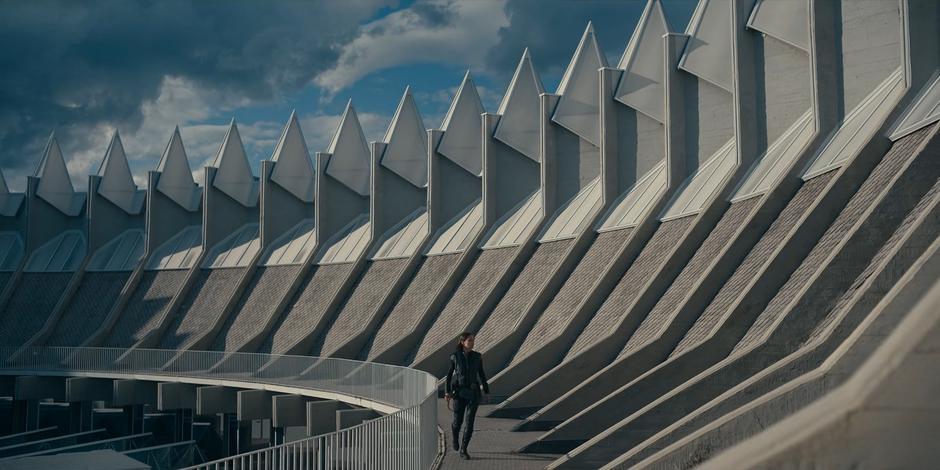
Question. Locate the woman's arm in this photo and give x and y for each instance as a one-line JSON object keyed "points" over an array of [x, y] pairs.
{"points": [[486, 386], [450, 375]]}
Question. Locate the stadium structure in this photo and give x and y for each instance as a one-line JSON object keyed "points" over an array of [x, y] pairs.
{"points": [[719, 252]]}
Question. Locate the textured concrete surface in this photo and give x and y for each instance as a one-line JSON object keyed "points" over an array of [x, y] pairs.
{"points": [[32, 302], [307, 308], [199, 311], [146, 307], [841, 254], [87, 308], [413, 304], [255, 307], [361, 305]]}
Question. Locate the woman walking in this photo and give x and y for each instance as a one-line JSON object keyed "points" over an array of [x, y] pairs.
{"points": [[464, 380]]}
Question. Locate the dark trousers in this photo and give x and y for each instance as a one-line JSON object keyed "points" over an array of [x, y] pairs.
{"points": [[461, 408]]}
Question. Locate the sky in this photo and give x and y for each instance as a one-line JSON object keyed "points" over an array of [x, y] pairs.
{"points": [[84, 70]]}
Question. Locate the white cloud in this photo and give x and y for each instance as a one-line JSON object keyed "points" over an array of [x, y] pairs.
{"points": [[403, 37]]}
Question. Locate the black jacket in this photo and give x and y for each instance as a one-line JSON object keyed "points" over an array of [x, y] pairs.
{"points": [[466, 371]]}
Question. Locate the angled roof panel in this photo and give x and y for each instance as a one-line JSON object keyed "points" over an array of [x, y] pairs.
{"points": [[348, 244], [923, 111], [862, 122], [179, 252], [12, 250], [787, 21], [236, 250], [513, 227], [779, 156], [578, 109], [632, 204], [698, 189], [294, 170], [404, 238], [234, 176], [350, 160], [519, 125], [55, 184], [117, 184], [294, 246], [9, 202], [575, 213], [64, 253], [641, 86], [457, 234], [462, 140], [708, 52], [176, 176], [406, 153], [120, 254]]}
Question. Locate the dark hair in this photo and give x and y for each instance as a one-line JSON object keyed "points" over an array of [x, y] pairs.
{"points": [[463, 337]]}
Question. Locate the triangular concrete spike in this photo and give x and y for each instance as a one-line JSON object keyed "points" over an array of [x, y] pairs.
{"points": [[519, 125], [176, 176], [786, 21], [55, 184], [117, 183], [406, 152], [641, 85], [578, 108], [708, 52], [294, 170], [461, 141], [234, 176], [350, 157]]}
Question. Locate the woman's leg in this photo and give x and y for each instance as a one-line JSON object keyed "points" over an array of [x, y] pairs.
{"points": [[471, 416], [459, 408]]}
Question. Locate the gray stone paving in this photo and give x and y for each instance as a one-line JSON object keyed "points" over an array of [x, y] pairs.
{"points": [[493, 445]]}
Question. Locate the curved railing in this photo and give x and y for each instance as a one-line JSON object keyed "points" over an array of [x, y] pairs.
{"points": [[405, 437]]}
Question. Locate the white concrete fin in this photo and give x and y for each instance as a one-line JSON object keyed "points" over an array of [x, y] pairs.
{"points": [[117, 184], [12, 250], [923, 111], [64, 253], [518, 125], [458, 233], [786, 20], [578, 109], [768, 168], [294, 170], [858, 126], [176, 176], [9, 202], [514, 227], [708, 52], [407, 151], [575, 214], [55, 184], [641, 85], [630, 207], [236, 250], [404, 239], [234, 176], [120, 254], [348, 244], [698, 189], [294, 246], [179, 252], [350, 157], [462, 140]]}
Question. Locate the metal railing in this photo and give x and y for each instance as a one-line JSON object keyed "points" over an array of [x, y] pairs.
{"points": [[405, 438]]}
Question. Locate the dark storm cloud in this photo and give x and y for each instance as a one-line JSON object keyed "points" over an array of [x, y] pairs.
{"points": [[551, 30], [70, 66]]}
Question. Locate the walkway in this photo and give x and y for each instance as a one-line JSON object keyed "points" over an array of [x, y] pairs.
{"points": [[493, 445]]}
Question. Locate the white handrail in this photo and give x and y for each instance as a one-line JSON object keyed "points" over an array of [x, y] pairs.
{"points": [[405, 438]]}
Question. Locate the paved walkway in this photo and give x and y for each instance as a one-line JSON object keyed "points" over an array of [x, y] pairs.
{"points": [[493, 445]]}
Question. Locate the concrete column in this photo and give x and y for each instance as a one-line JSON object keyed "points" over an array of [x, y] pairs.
{"points": [[321, 416], [133, 396], [349, 418], [221, 402]]}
